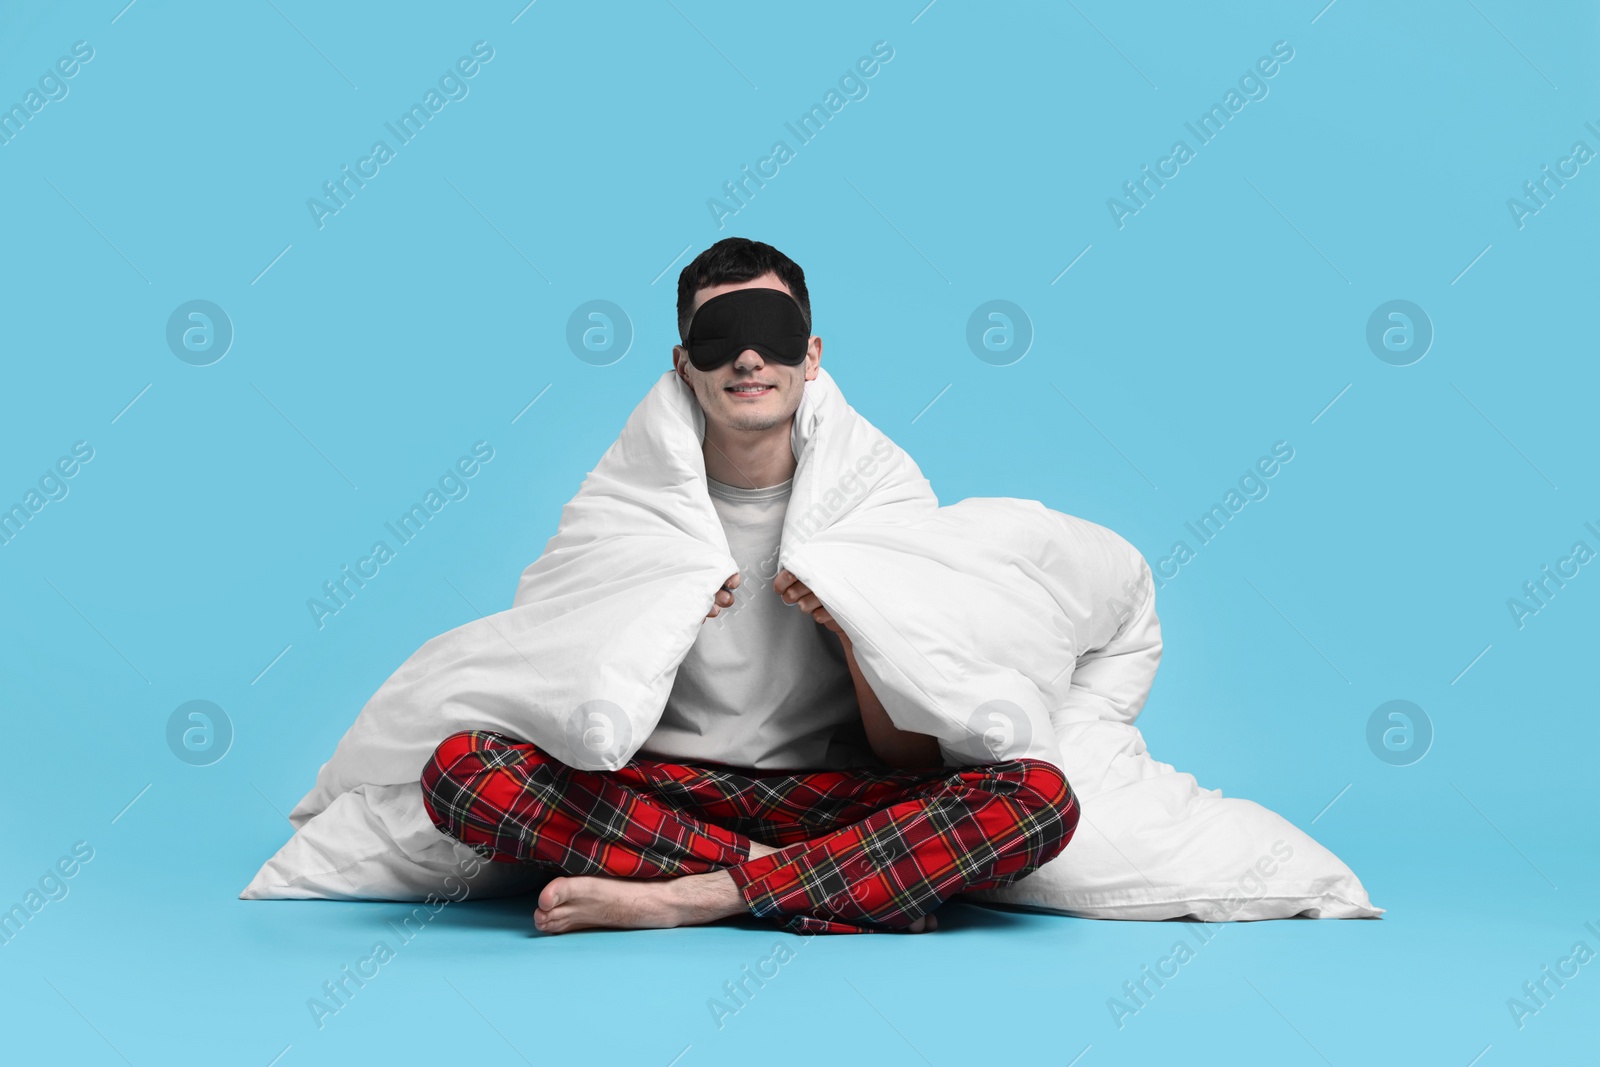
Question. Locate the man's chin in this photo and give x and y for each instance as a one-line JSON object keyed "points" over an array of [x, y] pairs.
{"points": [[753, 421]]}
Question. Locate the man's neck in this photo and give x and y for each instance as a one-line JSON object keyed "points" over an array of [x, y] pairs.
{"points": [[750, 459]]}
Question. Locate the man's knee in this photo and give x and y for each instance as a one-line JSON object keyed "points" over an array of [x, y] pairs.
{"points": [[441, 785], [1049, 802], [451, 774], [450, 751]]}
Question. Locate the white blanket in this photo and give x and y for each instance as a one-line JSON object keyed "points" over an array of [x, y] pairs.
{"points": [[997, 625]]}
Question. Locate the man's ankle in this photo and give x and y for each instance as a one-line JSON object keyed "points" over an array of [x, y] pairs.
{"points": [[707, 897]]}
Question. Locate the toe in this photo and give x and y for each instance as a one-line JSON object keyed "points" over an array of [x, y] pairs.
{"points": [[556, 892]]}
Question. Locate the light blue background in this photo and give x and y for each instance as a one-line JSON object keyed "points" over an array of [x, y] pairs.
{"points": [[1223, 317]]}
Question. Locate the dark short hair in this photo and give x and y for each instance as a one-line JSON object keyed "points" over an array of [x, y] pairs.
{"points": [[737, 259]]}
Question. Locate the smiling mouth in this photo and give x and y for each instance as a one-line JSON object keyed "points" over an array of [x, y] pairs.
{"points": [[749, 389]]}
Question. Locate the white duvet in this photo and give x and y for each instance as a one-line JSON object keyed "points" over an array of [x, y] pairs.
{"points": [[997, 625]]}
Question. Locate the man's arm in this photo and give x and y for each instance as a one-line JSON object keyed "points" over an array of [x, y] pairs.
{"points": [[896, 747]]}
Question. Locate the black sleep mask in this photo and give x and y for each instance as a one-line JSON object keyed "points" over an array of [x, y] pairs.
{"points": [[767, 320]]}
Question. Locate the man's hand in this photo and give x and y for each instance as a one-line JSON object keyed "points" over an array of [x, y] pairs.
{"points": [[794, 591], [724, 597]]}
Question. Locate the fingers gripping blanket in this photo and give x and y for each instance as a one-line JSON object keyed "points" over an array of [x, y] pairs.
{"points": [[996, 625]]}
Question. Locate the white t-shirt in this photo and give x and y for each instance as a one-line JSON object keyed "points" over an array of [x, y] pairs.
{"points": [[764, 685]]}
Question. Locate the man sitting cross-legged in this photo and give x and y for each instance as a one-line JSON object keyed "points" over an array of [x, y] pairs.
{"points": [[800, 801]]}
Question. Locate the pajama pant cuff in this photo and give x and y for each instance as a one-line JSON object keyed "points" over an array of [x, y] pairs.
{"points": [[772, 886]]}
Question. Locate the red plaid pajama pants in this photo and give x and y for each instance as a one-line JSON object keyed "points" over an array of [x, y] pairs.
{"points": [[859, 851]]}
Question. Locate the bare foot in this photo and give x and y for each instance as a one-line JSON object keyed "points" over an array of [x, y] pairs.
{"points": [[588, 902]]}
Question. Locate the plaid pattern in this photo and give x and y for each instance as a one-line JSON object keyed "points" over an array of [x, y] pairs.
{"points": [[859, 851]]}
